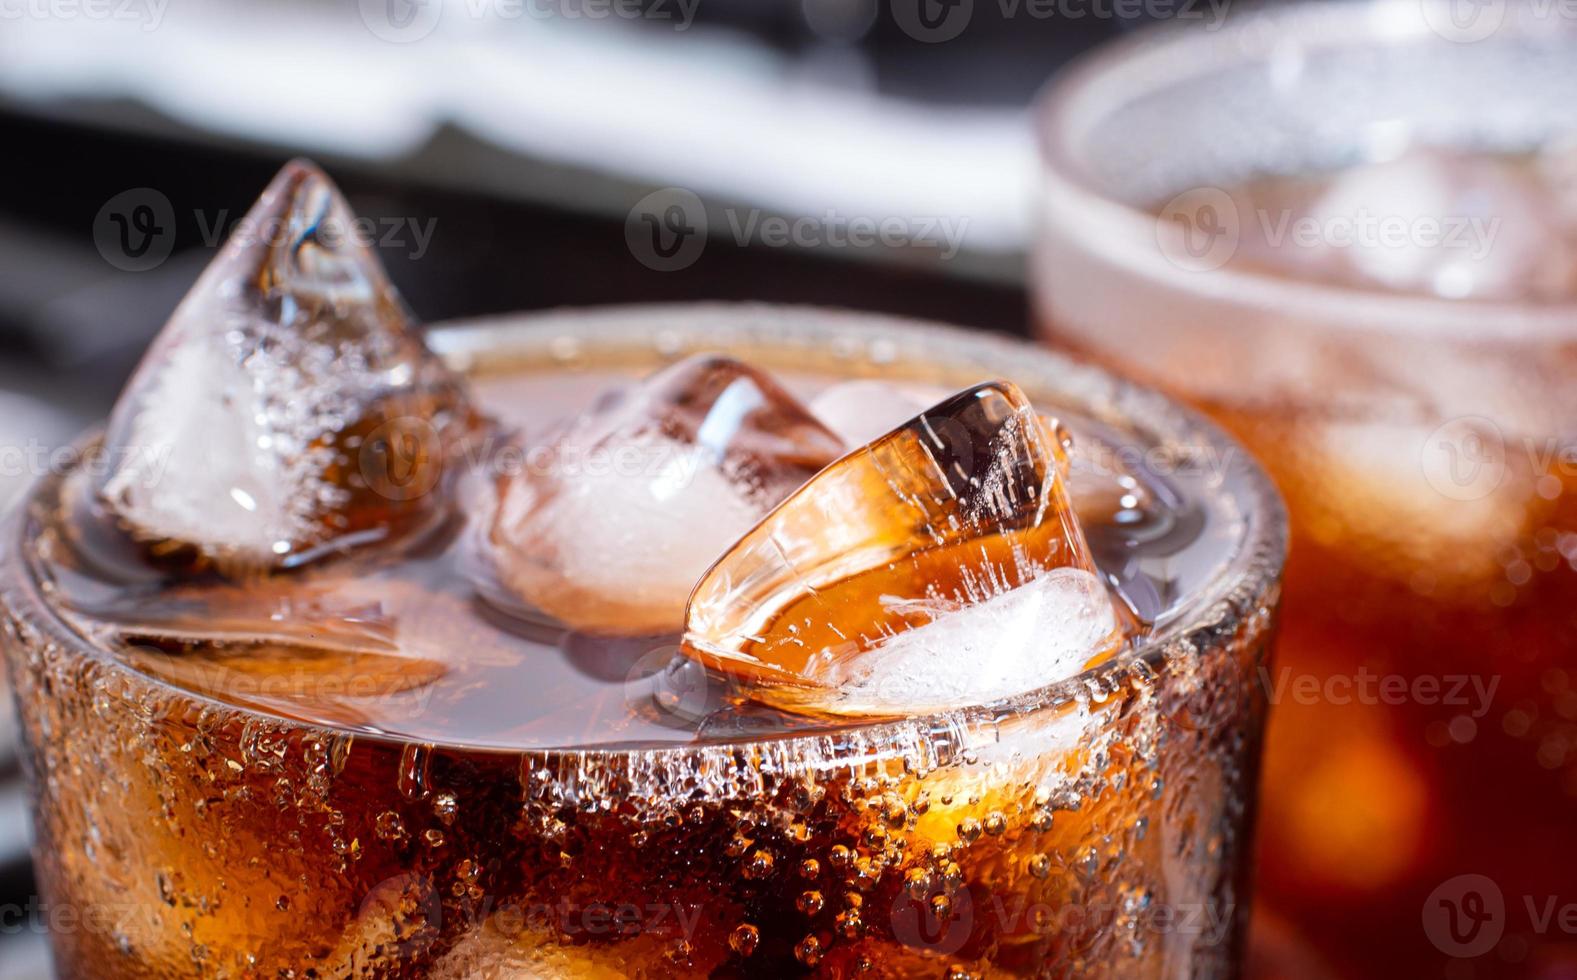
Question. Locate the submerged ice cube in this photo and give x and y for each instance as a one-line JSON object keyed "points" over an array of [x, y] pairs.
{"points": [[961, 654], [1439, 223], [289, 408], [366, 649], [609, 530], [938, 566], [860, 411]]}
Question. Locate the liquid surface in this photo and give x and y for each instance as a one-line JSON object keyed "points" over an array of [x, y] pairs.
{"points": [[423, 647]]}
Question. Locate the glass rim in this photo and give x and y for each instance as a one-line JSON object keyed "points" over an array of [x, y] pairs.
{"points": [[1126, 235], [1244, 590]]}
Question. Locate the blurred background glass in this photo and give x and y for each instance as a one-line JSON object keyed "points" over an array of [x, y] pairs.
{"points": [[1348, 232]]}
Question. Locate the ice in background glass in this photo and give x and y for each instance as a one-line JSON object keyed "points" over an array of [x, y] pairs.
{"points": [[348, 733], [1349, 232]]}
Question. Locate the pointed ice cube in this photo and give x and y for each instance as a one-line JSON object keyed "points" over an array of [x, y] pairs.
{"points": [[289, 407], [940, 565], [609, 530]]}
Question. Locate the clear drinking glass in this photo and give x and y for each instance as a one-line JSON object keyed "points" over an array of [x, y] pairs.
{"points": [[221, 810]]}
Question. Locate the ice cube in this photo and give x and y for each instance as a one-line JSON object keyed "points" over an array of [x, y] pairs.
{"points": [[515, 946], [289, 408], [353, 650], [314, 684], [1446, 224], [1003, 640], [939, 565], [397, 925], [609, 531], [363, 613], [1097, 479], [1439, 510], [860, 411]]}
